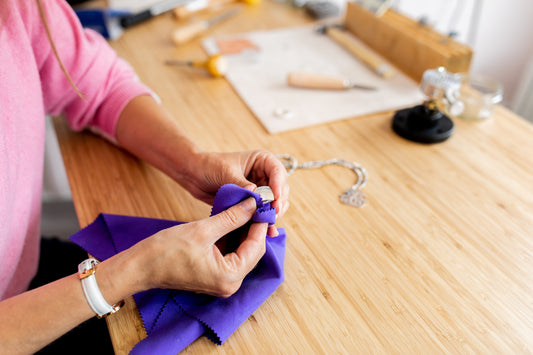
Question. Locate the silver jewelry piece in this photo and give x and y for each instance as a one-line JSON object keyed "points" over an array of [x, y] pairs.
{"points": [[354, 196], [266, 193], [283, 113]]}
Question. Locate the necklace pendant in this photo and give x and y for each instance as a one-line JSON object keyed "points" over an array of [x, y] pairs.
{"points": [[353, 197]]}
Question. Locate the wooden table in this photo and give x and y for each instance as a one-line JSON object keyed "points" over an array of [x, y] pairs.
{"points": [[440, 260]]}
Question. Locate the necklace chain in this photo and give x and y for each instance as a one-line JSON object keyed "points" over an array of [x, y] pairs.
{"points": [[353, 196]]}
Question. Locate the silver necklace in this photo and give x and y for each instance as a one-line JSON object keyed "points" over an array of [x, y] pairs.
{"points": [[354, 196]]}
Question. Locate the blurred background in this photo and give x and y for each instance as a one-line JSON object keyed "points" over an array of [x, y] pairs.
{"points": [[497, 30]]}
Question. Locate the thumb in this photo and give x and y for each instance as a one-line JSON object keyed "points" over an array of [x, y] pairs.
{"points": [[231, 219], [244, 183]]}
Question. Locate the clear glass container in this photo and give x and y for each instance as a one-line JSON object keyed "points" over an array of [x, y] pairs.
{"points": [[478, 94]]}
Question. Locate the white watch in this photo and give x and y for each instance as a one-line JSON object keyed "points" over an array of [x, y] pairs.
{"points": [[97, 302]]}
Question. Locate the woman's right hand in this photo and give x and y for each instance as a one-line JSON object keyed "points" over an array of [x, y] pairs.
{"points": [[185, 257]]}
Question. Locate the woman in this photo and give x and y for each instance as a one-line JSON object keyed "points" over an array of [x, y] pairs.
{"points": [[77, 74]]}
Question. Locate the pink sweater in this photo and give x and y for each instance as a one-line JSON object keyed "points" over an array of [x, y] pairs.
{"points": [[32, 85]]}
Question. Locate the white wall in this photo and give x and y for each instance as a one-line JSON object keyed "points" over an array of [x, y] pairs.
{"points": [[499, 33], [523, 101]]}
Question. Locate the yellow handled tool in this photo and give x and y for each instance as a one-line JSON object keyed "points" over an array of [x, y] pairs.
{"points": [[216, 65], [186, 11]]}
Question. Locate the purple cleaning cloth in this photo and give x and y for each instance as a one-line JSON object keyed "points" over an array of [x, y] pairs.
{"points": [[172, 318]]}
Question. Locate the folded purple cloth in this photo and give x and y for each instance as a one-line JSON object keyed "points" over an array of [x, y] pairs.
{"points": [[173, 319]]}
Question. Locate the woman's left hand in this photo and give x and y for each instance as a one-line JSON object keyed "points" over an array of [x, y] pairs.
{"points": [[246, 169]]}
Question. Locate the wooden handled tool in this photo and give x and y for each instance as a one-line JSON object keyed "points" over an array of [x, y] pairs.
{"points": [[315, 81], [370, 59], [188, 32]]}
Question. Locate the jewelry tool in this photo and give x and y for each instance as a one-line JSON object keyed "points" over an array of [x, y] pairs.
{"points": [[354, 196], [426, 123], [188, 32], [157, 9], [315, 81], [370, 59], [216, 65]]}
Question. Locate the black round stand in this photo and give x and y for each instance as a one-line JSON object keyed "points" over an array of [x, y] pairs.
{"points": [[422, 124]]}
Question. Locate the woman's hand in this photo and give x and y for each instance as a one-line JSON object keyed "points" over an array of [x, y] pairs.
{"points": [[246, 169], [201, 173], [185, 257]]}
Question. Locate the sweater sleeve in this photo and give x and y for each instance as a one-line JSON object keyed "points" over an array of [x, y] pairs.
{"points": [[107, 82]]}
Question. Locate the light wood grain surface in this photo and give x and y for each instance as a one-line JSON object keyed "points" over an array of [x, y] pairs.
{"points": [[440, 260]]}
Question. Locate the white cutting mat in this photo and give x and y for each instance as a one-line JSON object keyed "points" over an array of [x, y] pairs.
{"points": [[259, 77]]}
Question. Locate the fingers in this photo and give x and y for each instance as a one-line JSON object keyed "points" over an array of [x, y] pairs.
{"points": [[240, 262], [276, 175], [250, 251], [250, 186], [230, 219], [272, 231], [282, 202]]}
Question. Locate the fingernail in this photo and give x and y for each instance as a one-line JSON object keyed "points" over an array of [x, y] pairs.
{"points": [[250, 187], [249, 204]]}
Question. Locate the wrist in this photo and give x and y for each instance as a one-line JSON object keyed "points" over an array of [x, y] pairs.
{"points": [[188, 170], [121, 276], [185, 166]]}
